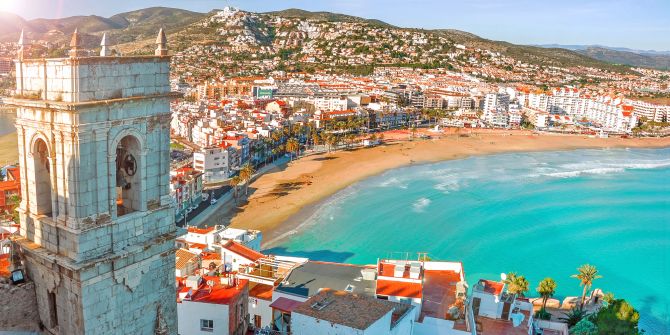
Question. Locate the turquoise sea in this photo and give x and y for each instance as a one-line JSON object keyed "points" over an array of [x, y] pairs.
{"points": [[539, 214], [7, 122]]}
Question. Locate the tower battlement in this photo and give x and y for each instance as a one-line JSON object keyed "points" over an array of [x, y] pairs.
{"points": [[85, 79]]}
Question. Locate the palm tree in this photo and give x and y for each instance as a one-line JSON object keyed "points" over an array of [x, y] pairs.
{"points": [[331, 140], [276, 137], [573, 316], [316, 139], [246, 174], [586, 274], [517, 285], [13, 201], [234, 183], [293, 146], [546, 289]]}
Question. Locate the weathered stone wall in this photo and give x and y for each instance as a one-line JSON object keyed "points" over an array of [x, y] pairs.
{"points": [[108, 272], [18, 310], [113, 296], [92, 79], [83, 166]]}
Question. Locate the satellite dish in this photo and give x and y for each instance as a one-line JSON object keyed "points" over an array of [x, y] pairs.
{"points": [[503, 276]]}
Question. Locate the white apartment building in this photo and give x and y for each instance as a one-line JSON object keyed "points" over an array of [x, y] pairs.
{"points": [[216, 163], [651, 112], [611, 114], [493, 101], [538, 118], [606, 112], [330, 103], [212, 305], [538, 101]]}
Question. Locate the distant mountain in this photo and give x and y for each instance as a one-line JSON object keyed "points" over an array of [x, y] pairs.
{"points": [[325, 16], [643, 58], [661, 62], [531, 54], [134, 32], [122, 28], [578, 47], [11, 23]]}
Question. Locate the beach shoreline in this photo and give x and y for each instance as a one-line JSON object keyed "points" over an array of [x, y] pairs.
{"points": [[9, 149], [283, 199]]}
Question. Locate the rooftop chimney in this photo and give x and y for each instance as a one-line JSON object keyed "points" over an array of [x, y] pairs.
{"points": [[161, 44]]}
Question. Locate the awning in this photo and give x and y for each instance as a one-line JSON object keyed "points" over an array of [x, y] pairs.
{"points": [[285, 304]]}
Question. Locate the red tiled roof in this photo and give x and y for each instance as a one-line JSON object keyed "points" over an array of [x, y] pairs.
{"points": [[399, 289], [243, 251], [210, 256], [285, 304], [4, 265], [202, 231], [261, 291], [492, 287], [198, 246], [219, 294]]}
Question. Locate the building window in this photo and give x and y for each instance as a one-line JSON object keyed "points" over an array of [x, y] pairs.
{"points": [[42, 170], [206, 325], [128, 176], [53, 309]]}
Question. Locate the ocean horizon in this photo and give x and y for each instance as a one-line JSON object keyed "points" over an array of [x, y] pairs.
{"points": [[541, 214]]}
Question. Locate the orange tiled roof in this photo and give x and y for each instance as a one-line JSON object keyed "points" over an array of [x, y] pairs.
{"points": [[4, 265], [399, 289], [184, 256], [201, 231], [219, 294], [243, 251], [261, 291]]}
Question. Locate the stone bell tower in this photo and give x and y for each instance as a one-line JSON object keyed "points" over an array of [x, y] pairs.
{"points": [[97, 220]]}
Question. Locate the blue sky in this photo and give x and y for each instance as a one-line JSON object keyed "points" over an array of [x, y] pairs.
{"points": [[640, 24]]}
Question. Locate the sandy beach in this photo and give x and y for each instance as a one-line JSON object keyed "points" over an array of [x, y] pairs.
{"points": [[9, 149], [282, 198]]}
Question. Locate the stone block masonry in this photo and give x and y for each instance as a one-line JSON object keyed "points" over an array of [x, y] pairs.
{"points": [[97, 221]]}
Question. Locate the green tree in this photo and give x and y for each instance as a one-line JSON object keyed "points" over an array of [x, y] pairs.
{"points": [[617, 318], [13, 201], [516, 284], [586, 274], [546, 289], [293, 146], [331, 140], [316, 139], [584, 327], [234, 183], [246, 173], [573, 316]]}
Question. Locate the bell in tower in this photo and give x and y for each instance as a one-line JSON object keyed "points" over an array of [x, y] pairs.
{"points": [[97, 223]]}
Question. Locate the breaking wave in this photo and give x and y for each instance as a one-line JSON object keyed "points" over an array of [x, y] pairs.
{"points": [[420, 205]]}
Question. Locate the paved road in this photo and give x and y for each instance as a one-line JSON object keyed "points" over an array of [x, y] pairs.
{"points": [[216, 193]]}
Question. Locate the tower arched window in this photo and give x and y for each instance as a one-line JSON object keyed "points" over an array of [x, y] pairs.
{"points": [[128, 176], [42, 171]]}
